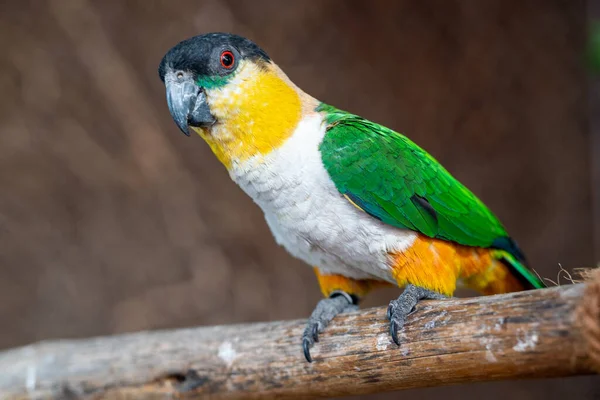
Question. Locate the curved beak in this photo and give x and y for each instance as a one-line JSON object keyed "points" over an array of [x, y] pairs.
{"points": [[188, 105]]}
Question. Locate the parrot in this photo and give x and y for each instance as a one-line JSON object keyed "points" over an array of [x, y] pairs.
{"points": [[360, 203]]}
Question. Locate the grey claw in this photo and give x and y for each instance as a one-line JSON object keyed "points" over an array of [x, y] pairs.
{"points": [[315, 333], [401, 308], [306, 347], [394, 332], [323, 313]]}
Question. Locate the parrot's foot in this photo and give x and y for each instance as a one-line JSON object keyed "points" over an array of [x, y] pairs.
{"points": [[325, 311], [403, 306]]}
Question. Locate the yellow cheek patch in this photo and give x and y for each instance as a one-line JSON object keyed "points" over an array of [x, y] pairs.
{"points": [[217, 146], [257, 110]]}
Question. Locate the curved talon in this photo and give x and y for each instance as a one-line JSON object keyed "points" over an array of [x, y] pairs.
{"points": [[306, 347], [315, 333], [405, 305], [394, 332], [324, 312]]}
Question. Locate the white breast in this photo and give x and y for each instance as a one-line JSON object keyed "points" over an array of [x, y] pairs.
{"points": [[308, 215]]}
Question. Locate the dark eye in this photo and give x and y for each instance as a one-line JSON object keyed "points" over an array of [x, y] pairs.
{"points": [[227, 59]]}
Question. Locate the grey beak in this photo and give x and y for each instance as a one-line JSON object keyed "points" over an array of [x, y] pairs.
{"points": [[188, 105]]}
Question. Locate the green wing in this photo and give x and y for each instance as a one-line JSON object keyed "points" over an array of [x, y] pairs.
{"points": [[394, 180], [391, 178]]}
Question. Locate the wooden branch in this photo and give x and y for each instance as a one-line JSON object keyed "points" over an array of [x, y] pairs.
{"points": [[521, 335]]}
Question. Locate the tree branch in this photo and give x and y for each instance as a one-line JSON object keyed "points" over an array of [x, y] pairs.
{"points": [[521, 335]]}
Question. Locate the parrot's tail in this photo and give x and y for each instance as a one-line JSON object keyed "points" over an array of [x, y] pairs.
{"points": [[505, 274], [526, 277], [511, 255]]}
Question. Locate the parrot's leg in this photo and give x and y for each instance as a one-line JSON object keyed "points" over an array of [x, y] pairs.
{"points": [[325, 311], [403, 306], [342, 295]]}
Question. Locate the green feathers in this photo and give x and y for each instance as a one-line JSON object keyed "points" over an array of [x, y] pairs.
{"points": [[213, 82], [527, 278], [393, 179]]}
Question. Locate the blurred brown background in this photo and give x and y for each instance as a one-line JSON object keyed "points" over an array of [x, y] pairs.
{"points": [[112, 221]]}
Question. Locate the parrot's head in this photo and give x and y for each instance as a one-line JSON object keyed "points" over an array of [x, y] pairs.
{"points": [[226, 88]]}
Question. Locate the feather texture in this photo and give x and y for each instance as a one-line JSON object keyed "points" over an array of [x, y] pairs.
{"points": [[394, 180]]}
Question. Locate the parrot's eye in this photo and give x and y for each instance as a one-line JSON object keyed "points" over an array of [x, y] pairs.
{"points": [[227, 59], [180, 75]]}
